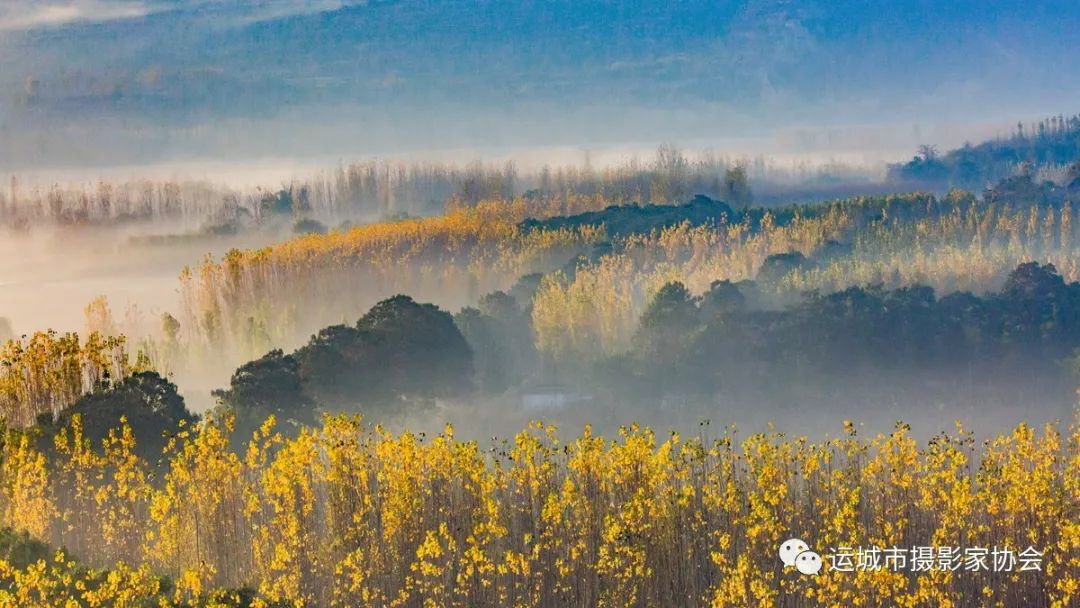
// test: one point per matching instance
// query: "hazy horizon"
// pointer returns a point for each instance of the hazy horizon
(97, 85)
(868, 149)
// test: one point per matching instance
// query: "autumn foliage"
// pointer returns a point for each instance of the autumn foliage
(249, 300)
(48, 372)
(349, 515)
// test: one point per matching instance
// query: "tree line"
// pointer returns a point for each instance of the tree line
(347, 514)
(372, 190)
(723, 341)
(1052, 143)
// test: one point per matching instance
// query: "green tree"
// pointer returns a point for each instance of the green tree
(664, 337)
(399, 353)
(421, 353)
(778, 265)
(737, 187)
(494, 362)
(268, 385)
(150, 403)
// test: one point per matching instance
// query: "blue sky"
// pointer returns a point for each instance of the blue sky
(101, 82)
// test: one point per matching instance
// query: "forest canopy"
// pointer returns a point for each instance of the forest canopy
(400, 353)
(608, 303)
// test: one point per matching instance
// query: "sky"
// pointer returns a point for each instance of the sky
(93, 84)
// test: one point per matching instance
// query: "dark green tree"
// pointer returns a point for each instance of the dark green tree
(778, 265)
(667, 329)
(421, 352)
(500, 335)
(488, 338)
(268, 385)
(149, 402)
(737, 187)
(723, 300)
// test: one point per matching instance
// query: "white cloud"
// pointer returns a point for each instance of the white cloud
(249, 11)
(267, 10)
(29, 14)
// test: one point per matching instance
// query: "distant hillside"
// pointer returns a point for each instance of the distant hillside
(327, 79)
(621, 221)
(1050, 145)
(624, 220)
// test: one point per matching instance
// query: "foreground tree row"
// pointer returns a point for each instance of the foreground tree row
(348, 515)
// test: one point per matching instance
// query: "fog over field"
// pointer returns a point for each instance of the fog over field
(589, 303)
(129, 240)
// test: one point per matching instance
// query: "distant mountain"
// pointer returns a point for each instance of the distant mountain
(126, 81)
